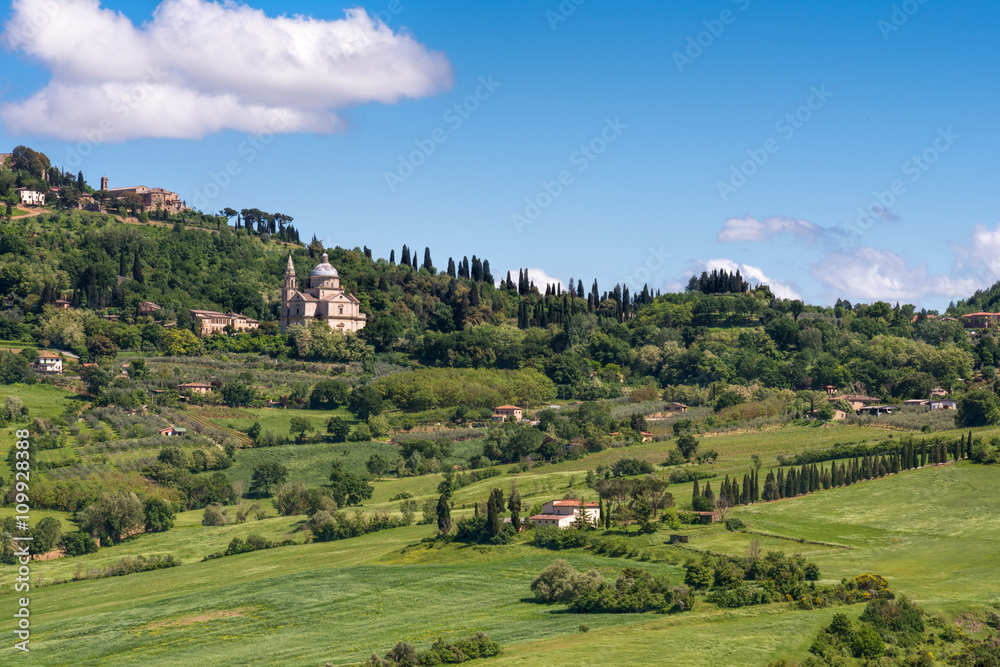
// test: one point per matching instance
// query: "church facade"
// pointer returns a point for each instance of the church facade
(322, 300)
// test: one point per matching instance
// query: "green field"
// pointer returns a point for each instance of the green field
(933, 532)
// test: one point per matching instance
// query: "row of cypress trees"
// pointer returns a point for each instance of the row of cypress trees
(810, 477)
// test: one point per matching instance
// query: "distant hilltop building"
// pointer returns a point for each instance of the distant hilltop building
(152, 198)
(212, 322)
(323, 301)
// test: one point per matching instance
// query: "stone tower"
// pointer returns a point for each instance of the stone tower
(289, 286)
(104, 183)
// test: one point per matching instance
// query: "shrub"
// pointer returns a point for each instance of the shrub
(78, 544)
(545, 537)
(214, 515)
(631, 467)
(702, 504)
(560, 582)
(734, 524)
(739, 596)
(159, 514)
(290, 499)
(867, 644)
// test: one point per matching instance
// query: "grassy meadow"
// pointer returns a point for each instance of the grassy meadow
(932, 532)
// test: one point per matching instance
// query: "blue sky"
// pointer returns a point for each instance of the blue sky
(684, 135)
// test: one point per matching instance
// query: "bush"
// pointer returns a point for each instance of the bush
(78, 544)
(702, 504)
(214, 515)
(159, 514)
(545, 537)
(734, 524)
(631, 467)
(635, 591)
(740, 596)
(560, 582)
(867, 644)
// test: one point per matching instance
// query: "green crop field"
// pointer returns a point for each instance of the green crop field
(933, 532)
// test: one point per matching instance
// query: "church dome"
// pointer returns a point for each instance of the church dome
(324, 268)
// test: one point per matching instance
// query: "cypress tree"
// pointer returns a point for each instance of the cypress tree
(494, 522)
(514, 505)
(137, 270)
(745, 496)
(779, 486)
(923, 454)
(696, 492)
(443, 515)
(709, 493)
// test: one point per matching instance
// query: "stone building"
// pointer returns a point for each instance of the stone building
(212, 321)
(322, 301)
(152, 198)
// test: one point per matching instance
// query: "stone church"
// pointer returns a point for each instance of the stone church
(323, 300)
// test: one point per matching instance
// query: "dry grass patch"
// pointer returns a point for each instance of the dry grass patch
(190, 619)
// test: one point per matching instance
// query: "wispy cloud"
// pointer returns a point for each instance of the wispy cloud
(872, 274)
(202, 67)
(752, 230)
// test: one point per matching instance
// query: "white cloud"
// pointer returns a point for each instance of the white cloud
(982, 256)
(752, 274)
(537, 276)
(541, 279)
(758, 231)
(199, 67)
(872, 274)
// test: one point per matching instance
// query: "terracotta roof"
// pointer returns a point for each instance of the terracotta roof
(507, 407)
(49, 355)
(571, 503)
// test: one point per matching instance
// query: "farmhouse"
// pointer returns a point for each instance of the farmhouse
(49, 363)
(30, 197)
(173, 430)
(194, 388)
(877, 410)
(212, 321)
(505, 413)
(857, 401)
(980, 320)
(562, 513)
(944, 404)
(323, 301)
(62, 304)
(148, 307)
